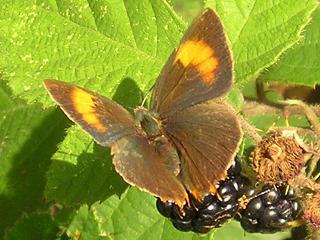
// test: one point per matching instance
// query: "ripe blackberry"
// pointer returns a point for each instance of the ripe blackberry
(164, 208)
(213, 210)
(235, 168)
(271, 210)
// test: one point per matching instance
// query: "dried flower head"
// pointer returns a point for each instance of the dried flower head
(278, 157)
(311, 213)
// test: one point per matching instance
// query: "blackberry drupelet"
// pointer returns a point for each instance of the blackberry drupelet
(271, 210)
(214, 210)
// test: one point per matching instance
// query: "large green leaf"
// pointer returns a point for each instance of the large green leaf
(96, 44)
(233, 230)
(301, 64)
(259, 31)
(6, 100)
(28, 138)
(33, 226)
(131, 217)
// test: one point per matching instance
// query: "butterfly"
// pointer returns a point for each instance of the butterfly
(188, 139)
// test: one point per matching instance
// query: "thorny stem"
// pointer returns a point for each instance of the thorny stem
(310, 114)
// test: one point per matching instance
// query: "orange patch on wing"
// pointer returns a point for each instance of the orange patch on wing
(197, 195)
(84, 104)
(213, 189)
(201, 56)
(179, 202)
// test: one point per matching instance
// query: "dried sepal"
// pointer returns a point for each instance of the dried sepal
(279, 157)
(311, 213)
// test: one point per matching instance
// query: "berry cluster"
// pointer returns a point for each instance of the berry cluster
(271, 210)
(214, 210)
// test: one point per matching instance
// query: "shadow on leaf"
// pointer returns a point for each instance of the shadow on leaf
(26, 179)
(128, 94)
(92, 179)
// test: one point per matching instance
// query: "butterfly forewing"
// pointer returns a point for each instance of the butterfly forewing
(207, 136)
(200, 69)
(105, 120)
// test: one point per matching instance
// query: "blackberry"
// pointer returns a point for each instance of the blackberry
(213, 215)
(227, 192)
(271, 197)
(182, 225)
(214, 209)
(165, 208)
(254, 208)
(235, 168)
(271, 210)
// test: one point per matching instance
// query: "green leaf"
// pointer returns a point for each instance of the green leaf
(28, 138)
(265, 122)
(34, 226)
(259, 31)
(132, 217)
(301, 64)
(233, 230)
(5, 97)
(235, 98)
(188, 9)
(96, 44)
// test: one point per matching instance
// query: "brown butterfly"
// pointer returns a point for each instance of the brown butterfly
(187, 141)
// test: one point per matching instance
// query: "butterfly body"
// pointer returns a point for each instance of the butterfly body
(148, 122)
(188, 139)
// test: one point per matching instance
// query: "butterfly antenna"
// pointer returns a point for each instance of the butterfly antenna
(146, 97)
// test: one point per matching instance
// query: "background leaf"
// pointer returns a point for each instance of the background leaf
(301, 64)
(232, 230)
(28, 138)
(259, 31)
(110, 220)
(35, 226)
(94, 44)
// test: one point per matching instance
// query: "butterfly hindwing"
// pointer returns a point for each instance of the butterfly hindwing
(152, 166)
(105, 120)
(207, 137)
(200, 69)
